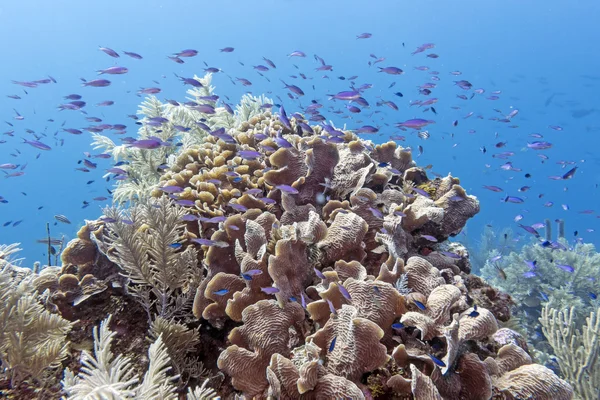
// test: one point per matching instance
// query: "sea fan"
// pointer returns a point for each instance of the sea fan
(32, 340)
(140, 241)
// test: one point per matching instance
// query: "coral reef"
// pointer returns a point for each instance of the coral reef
(283, 260)
(577, 350)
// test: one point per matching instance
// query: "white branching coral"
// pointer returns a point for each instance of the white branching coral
(140, 241)
(32, 340)
(577, 350)
(104, 376)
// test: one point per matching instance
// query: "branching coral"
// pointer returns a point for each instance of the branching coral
(560, 276)
(33, 341)
(577, 350)
(103, 375)
(141, 241)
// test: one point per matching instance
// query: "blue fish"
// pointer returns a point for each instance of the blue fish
(474, 313)
(420, 305)
(437, 361)
(332, 345)
(398, 325)
(221, 292)
(175, 245)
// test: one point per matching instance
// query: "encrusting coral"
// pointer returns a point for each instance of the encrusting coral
(311, 262)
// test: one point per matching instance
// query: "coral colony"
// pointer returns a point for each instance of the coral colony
(267, 258)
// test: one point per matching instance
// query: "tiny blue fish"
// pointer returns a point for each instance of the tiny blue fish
(474, 313)
(437, 361)
(420, 305)
(398, 325)
(593, 296)
(332, 345)
(221, 292)
(175, 245)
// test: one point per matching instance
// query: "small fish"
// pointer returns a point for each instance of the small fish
(319, 274)
(474, 313)
(249, 274)
(437, 361)
(513, 199)
(344, 292)
(398, 325)
(175, 245)
(332, 345)
(566, 268)
(62, 218)
(501, 272)
(287, 189)
(421, 306)
(429, 237)
(270, 290)
(221, 292)
(331, 307)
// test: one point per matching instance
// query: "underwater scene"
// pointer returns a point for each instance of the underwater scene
(299, 200)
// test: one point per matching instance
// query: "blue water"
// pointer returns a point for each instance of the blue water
(531, 51)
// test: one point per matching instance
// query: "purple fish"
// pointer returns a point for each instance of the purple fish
(451, 255)
(293, 88)
(97, 83)
(345, 96)
(538, 145)
(147, 144)
(566, 268)
(37, 144)
(421, 192)
(249, 154)
(133, 55)
(391, 70)
(270, 290)
(113, 71)
(208, 242)
(109, 51)
(226, 50)
(171, 189)
(529, 229)
(416, 123)
(429, 237)
(513, 199)
(187, 53)
(344, 292)
(287, 189)
(529, 274)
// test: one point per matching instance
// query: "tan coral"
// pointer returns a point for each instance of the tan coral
(422, 276)
(456, 213)
(357, 348)
(288, 382)
(428, 327)
(344, 238)
(264, 333)
(478, 327)
(440, 302)
(533, 381)
(422, 387)
(290, 269)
